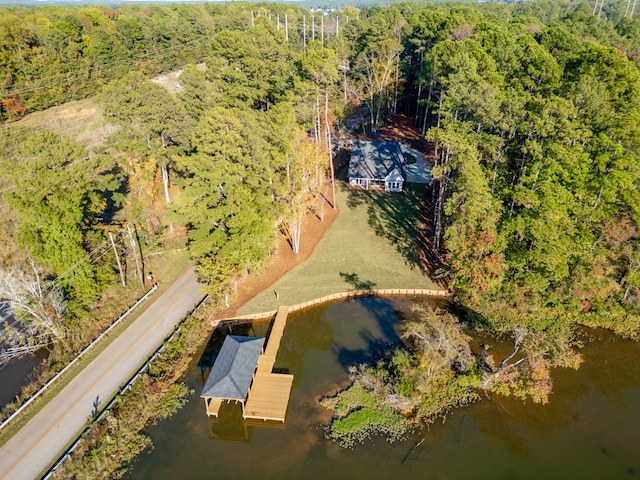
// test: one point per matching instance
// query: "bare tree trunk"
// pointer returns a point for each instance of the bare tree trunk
(41, 312)
(417, 119)
(439, 107)
(519, 335)
(345, 84)
(167, 197)
(330, 148)
(320, 210)
(395, 87)
(317, 119)
(294, 228)
(165, 181)
(426, 109)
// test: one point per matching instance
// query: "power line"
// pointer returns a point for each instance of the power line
(74, 270)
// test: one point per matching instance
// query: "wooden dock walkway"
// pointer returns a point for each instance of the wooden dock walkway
(268, 396)
(268, 358)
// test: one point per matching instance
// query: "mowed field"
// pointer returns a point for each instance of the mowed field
(372, 244)
(81, 121)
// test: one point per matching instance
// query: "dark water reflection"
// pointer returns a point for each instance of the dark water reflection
(15, 375)
(588, 430)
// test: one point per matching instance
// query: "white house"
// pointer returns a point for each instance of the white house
(377, 165)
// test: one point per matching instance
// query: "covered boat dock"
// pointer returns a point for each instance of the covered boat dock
(243, 372)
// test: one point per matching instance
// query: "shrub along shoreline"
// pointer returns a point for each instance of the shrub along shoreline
(117, 438)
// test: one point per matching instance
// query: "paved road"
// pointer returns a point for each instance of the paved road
(40, 442)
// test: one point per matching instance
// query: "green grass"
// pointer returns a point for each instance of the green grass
(370, 245)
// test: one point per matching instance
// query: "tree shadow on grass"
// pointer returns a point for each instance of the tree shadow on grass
(394, 217)
(354, 280)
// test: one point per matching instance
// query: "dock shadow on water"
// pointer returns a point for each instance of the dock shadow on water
(588, 430)
(229, 426)
(214, 344)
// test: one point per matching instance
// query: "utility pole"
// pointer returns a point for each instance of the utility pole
(115, 251)
(322, 30)
(344, 67)
(253, 23)
(304, 33)
(278, 21)
(134, 249)
(337, 27)
(286, 27)
(595, 7)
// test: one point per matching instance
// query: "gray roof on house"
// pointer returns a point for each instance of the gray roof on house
(231, 374)
(375, 160)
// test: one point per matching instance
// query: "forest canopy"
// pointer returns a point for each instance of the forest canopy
(530, 115)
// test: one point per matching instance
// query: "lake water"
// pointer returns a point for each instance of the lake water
(589, 429)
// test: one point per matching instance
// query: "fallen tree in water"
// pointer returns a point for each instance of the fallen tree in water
(435, 372)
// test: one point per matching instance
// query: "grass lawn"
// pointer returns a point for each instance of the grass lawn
(371, 244)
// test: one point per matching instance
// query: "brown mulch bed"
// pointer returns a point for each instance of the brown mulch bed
(283, 260)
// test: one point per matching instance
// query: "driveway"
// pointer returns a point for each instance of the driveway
(418, 172)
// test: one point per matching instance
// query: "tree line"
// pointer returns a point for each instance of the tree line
(239, 154)
(531, 113)
(531, 117)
